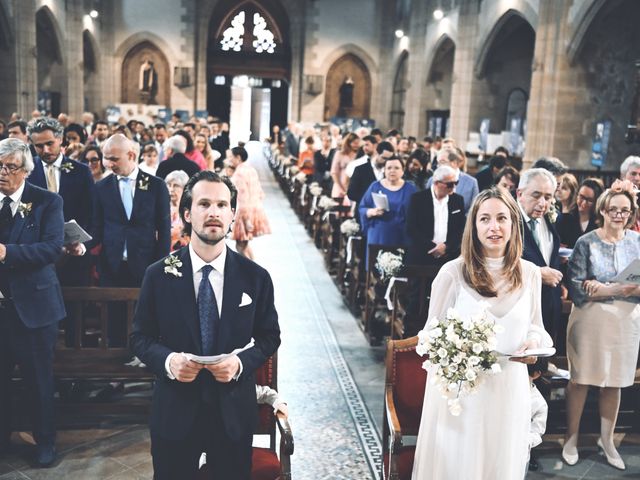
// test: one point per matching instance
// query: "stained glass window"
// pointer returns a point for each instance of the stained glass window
(232, 36)
(263, 37)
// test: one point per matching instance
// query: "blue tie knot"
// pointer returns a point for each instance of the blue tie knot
(206, 270)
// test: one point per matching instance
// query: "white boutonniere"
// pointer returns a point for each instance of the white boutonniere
(24, 209)
(66, 167)
(173, 263)
(552, 213)
(143, 183)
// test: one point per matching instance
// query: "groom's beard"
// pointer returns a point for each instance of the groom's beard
(212, 240)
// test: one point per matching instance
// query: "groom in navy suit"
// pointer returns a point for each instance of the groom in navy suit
(541, 241)
(31, 235)
(204, 299)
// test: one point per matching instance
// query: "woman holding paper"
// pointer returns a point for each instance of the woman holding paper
(383, 209)
(603, 333)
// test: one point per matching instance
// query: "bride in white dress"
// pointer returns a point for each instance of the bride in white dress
(489, 439)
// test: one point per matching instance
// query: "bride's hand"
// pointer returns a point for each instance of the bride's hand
(530, 343)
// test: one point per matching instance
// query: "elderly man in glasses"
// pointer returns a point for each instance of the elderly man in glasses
(467, 186)
(31, 305)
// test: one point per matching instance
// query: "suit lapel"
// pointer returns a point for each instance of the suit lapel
(20, 219)
(65, 176)
(140, 194)
(231, 296)
(531, 243)
(186, 298)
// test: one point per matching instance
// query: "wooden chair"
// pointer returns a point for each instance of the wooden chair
(411, 300)
(268, 463)
(404, 392)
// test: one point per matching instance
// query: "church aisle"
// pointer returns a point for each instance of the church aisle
(331, 378)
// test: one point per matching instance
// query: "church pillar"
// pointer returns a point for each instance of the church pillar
(416, 74)
(26, 76)
(73, 96)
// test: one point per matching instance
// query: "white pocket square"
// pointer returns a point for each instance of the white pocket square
(455, 211)
(246, 300)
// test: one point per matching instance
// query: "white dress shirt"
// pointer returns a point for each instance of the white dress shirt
(132, 181)
(15, 199)
(544, 235)
(56, 171)
(440, 218)
(378, 172)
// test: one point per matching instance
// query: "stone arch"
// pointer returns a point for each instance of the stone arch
(91, 77)
(51, 62)
(131, 75)
(435, 92)
(584, 17)
(399, 92)
(348, 66)
(489, 35)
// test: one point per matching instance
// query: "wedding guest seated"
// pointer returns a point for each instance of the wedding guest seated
(176, 181)
(305, 159)
(387, 227)
(603, 335)
(487, 175)
(418, 171)
(567, 193)
(149, 162)
(508, 178)
(467, 185)
(582, 217)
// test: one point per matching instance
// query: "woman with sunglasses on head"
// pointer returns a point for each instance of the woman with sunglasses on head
(603, 334)
(92, 157)
(581, 218)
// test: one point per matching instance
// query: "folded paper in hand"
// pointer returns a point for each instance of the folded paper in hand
(74, 233)
(532, 352)
(631, 274)
(381, 201)
(213, 359)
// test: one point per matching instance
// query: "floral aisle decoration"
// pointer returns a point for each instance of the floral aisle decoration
(462, 352)
(293, 170)
(389, 264)
(350, 227)
(315, 189)
(300, 177)
(326, 203)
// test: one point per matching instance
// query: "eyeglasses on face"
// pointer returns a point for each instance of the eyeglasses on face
(9, 169)
(582, 198)
(448, 184)
(614, 212)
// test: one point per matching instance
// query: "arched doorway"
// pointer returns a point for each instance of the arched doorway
(249, 66)
(504, 68)
(348, 89)
(8, 95)
(146, 77)
(90, 77)
(396, 118)
(437, 94)
(51, 74)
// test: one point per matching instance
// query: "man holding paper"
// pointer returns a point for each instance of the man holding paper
(204, 300)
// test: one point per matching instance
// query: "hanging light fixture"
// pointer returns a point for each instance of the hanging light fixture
(94, 14)
(399, 33)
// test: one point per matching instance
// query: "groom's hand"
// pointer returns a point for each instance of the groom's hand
(184, 369)
(225, 370)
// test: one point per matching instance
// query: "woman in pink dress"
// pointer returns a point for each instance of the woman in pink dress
(251, 220)
(341, 159)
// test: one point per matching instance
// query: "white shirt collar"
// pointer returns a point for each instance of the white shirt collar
(57, 163)
(526, 217)
(132, 176)
(218, 263)
(17, 195)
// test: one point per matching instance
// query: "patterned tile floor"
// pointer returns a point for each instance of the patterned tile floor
(332, 380)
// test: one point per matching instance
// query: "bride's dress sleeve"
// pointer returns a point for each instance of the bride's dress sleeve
(444, 290)
(536, 328)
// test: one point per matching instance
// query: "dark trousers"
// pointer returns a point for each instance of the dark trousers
(32, 350)
(123, 278)
(226, 459)
(73, 272)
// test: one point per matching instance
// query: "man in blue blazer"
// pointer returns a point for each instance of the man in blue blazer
(72, 181)
(131, 218)
(31, 236)
(204, 299)
(541, 240)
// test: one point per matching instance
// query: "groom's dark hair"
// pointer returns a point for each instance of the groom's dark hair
(187, 195)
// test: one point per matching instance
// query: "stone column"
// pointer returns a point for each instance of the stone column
(73, 94)
(553, 96)
(416, 70)
(464, 85)
(25, 54)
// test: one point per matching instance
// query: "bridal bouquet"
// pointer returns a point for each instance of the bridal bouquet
(463, 352)
(349, 227)
(389, 264)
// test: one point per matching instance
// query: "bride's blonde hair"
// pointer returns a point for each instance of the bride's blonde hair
(474, 268)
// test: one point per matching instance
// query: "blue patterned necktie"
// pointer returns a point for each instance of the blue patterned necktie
(127, 196)
(533, 224)
(207, 311)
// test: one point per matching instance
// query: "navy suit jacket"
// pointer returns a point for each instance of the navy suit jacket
(147, 233)
(420, 225)
(551, 301)
(34, 245)
(166, 320)
(76, 188)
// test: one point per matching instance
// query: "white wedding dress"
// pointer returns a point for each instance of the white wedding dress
(490, 438)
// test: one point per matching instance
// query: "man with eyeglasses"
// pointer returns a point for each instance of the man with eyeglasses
(435, 222)
(467, 186)
(31, 305)
(541, 241)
